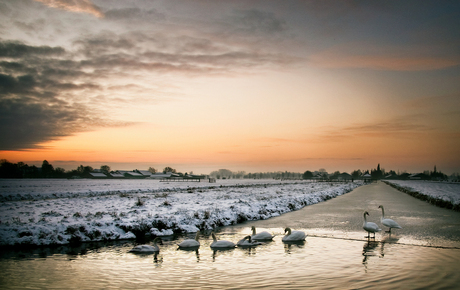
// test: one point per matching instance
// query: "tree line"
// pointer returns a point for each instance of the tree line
(380, 173)
(47, 170)
(228, 174)
(22, 170)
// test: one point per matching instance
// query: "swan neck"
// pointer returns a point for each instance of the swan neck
(214, 237)
(197, 236)
(253, 230)
(383, 213)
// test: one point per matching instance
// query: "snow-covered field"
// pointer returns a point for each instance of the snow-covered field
(440, 193)
(45, 212)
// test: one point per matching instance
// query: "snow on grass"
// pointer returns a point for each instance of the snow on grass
(442, 194)
(56, 212)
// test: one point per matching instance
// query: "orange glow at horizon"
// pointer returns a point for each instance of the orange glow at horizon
(233, 84)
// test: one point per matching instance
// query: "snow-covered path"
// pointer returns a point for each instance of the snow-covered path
(55, 212)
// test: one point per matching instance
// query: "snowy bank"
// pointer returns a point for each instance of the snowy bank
(442, 194)
(65, 215)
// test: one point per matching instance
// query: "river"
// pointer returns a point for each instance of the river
(422, 255)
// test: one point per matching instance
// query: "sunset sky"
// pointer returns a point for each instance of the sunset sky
(242, 85)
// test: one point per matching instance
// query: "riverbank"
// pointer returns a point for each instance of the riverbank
(445, 195)
(101, 211)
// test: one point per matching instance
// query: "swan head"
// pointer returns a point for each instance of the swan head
(381, 206)
(248, 238)
(366, 213)
(253, 229)
(287, 230)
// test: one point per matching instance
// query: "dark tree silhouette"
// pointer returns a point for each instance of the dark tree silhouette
(307, 175)
(47, 169)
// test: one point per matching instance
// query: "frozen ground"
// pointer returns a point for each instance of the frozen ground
(44, 212)
(440, 193)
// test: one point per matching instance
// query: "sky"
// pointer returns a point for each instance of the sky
(255, 86)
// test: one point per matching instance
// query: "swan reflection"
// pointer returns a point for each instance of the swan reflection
(371, 249)
(216, 250)
(158, 260)
(249, 251)
(289, 246)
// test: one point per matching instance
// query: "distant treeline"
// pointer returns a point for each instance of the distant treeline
(228, 174)
(374, 174)
(22, 170)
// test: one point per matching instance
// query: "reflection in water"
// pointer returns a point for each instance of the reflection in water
(327, 263)
(369, 251)
(215, 251)
(156, 260)
(371, 245)
(289, 246)
(192, 249)
(249, 251)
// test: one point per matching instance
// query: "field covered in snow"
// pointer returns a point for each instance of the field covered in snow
(442, 194)
(46, 212)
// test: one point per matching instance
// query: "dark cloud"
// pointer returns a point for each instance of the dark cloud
(26, 122)
(176, 54)
(17, 49)
(49, 92)
(33, 105)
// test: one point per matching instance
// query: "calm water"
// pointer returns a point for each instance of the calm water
(320, 262)
(425, 254)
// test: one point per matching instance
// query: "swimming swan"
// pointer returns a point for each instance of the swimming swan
(147, 248)
(263, 236)
(221, 244)
(248, 242)
(388, 222)
(190, 243)
(293, 236)
(370, 227)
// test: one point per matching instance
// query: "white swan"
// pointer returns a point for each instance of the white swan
(147, 248)
(370, 227)
(263, 236)
(248, 242)
(388, 222)
(293, 236)
(190, 243)
(221, 244)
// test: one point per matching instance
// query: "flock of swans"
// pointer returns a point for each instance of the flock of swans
(258, 238)
(249, 241)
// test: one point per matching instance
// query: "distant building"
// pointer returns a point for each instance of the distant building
(97, 175)
(145, 173)
(116, 175)
(391, 176)
(160, 175)
(345, 176)
(418, 176)
(130, 174)
(367, 177)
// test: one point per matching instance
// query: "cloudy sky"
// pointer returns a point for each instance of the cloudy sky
(244, 85)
